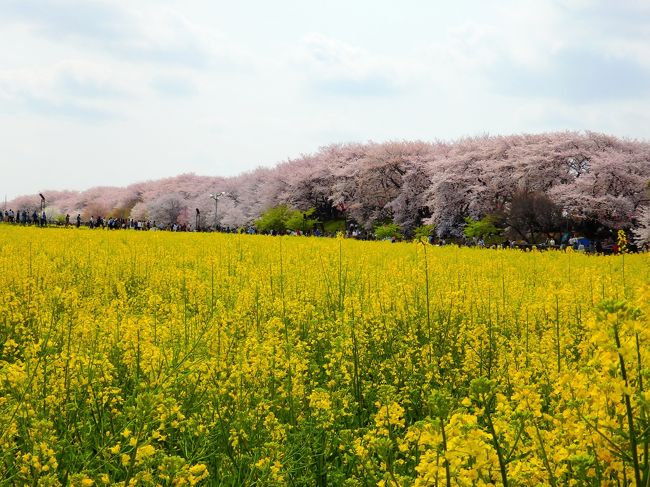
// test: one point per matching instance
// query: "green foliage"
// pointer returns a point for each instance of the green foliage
(388, 230)
(334, 226)
(480, 228)
(301, 220)
(282, 217)
(424, 231)
(274, 219)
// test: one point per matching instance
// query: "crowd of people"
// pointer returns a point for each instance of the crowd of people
(24, 218)
(110, 223)
(564, 241)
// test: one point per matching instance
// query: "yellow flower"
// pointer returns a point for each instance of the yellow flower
(208, 343)
(144, 452)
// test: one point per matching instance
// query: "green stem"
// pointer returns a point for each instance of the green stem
(628, 411)
(551, 477)
(444, 449)
(426, 288)
(557, 332)
(497, 447)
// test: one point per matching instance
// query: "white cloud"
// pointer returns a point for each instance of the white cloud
(333, 67)
(165, 36)
(174, 86)
(86, 79)
(328, 57)
(140, 33)
(464, 49)
(71, 88)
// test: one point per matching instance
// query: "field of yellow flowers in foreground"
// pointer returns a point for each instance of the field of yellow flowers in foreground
(144, 358)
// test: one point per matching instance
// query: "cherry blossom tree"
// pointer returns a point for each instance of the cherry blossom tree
(167, 209)
(587, 176)
(642, 232)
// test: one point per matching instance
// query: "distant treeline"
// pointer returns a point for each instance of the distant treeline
(529, 184)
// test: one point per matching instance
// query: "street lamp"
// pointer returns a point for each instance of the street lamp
(42, 201)
(216, 197)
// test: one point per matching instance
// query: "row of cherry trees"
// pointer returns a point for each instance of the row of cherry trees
(587, 176)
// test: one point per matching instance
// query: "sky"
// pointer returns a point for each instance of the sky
(112, 92)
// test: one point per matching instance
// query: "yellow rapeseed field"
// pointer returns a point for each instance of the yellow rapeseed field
(150, 358)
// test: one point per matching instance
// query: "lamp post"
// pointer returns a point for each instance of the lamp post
(42, 201)
(216, 197)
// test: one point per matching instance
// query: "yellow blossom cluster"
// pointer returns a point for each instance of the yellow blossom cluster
(151, 358)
